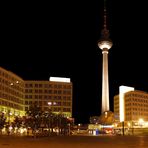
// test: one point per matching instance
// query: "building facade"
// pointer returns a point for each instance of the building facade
(135, 106)
(16, 95)
(53, 95)
(11, 94)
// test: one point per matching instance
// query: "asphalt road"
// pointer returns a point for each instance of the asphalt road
(75, 142)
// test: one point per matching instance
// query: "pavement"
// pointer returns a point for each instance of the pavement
(74, 142)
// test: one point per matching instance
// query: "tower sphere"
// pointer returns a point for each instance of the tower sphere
(105, 44)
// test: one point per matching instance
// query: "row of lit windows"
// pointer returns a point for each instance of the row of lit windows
(55, 109)
(137, 100)
(11, 92)
(135, 118)
(9, 89)
(59, 86)
(10, 83)
(137, 95)
(8, 104)
(12, 98)
(18, 85)
(137, 114)
(136, 104)
(48, 91)
(46, 103)
(128, 118)
(137, 109)
(47, 97)
(7, 76)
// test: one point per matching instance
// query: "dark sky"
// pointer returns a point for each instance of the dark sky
(43, 39)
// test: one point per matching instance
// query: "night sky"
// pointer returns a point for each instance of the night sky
(44, 39)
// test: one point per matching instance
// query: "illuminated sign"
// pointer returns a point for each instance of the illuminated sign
(59, 79)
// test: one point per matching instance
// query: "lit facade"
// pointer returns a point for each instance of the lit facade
(53, 95)
(11, 94)
(135, 106)
(122, 91)
(16, 95)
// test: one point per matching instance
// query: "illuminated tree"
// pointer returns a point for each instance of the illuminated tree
(34, 117)
(2, 121)
(94, 120)
(107, 118)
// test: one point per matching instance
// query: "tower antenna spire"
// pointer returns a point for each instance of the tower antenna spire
(105, 31)
(105, 25)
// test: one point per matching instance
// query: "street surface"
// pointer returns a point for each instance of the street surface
(75, 142)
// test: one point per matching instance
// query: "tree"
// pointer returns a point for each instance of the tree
(34, 117)
(94, 119)
(2, 121)
(107, 118)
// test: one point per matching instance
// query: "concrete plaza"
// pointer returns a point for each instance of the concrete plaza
(75, 142)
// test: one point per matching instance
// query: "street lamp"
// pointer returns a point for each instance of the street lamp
(69, 128)
(141, 122)
(79, 127)
(49, 104)
(9, 114)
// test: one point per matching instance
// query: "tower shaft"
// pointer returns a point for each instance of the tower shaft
(105, 82)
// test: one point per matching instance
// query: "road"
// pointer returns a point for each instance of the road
(75, 142)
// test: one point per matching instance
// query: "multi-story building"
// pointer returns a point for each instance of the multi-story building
(135, 106)
(11, 93)
(16, 94)
(55, 95)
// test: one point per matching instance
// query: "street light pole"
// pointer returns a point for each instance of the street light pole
(69, 128)
(50, 120)
(49, 104)
(123, 128)
(132, 128)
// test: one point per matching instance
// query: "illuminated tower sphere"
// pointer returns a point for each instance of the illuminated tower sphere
(105, 44)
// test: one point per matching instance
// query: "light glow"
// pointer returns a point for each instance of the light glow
(105, 45)
(141, 122)
(122, 91)
(49, 103)
(107, 126)
(59, 79)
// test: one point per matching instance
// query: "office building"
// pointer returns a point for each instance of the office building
(17, 94)
(131, 105)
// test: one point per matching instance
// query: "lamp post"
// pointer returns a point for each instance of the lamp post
(49, 104)
(8, 126)
(79, 127)
(132, 128)
(9, 114)
(50, 118)
(123, 128)
(69, 129)
(141, 122)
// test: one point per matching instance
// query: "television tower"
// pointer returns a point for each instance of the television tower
(105, 44)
